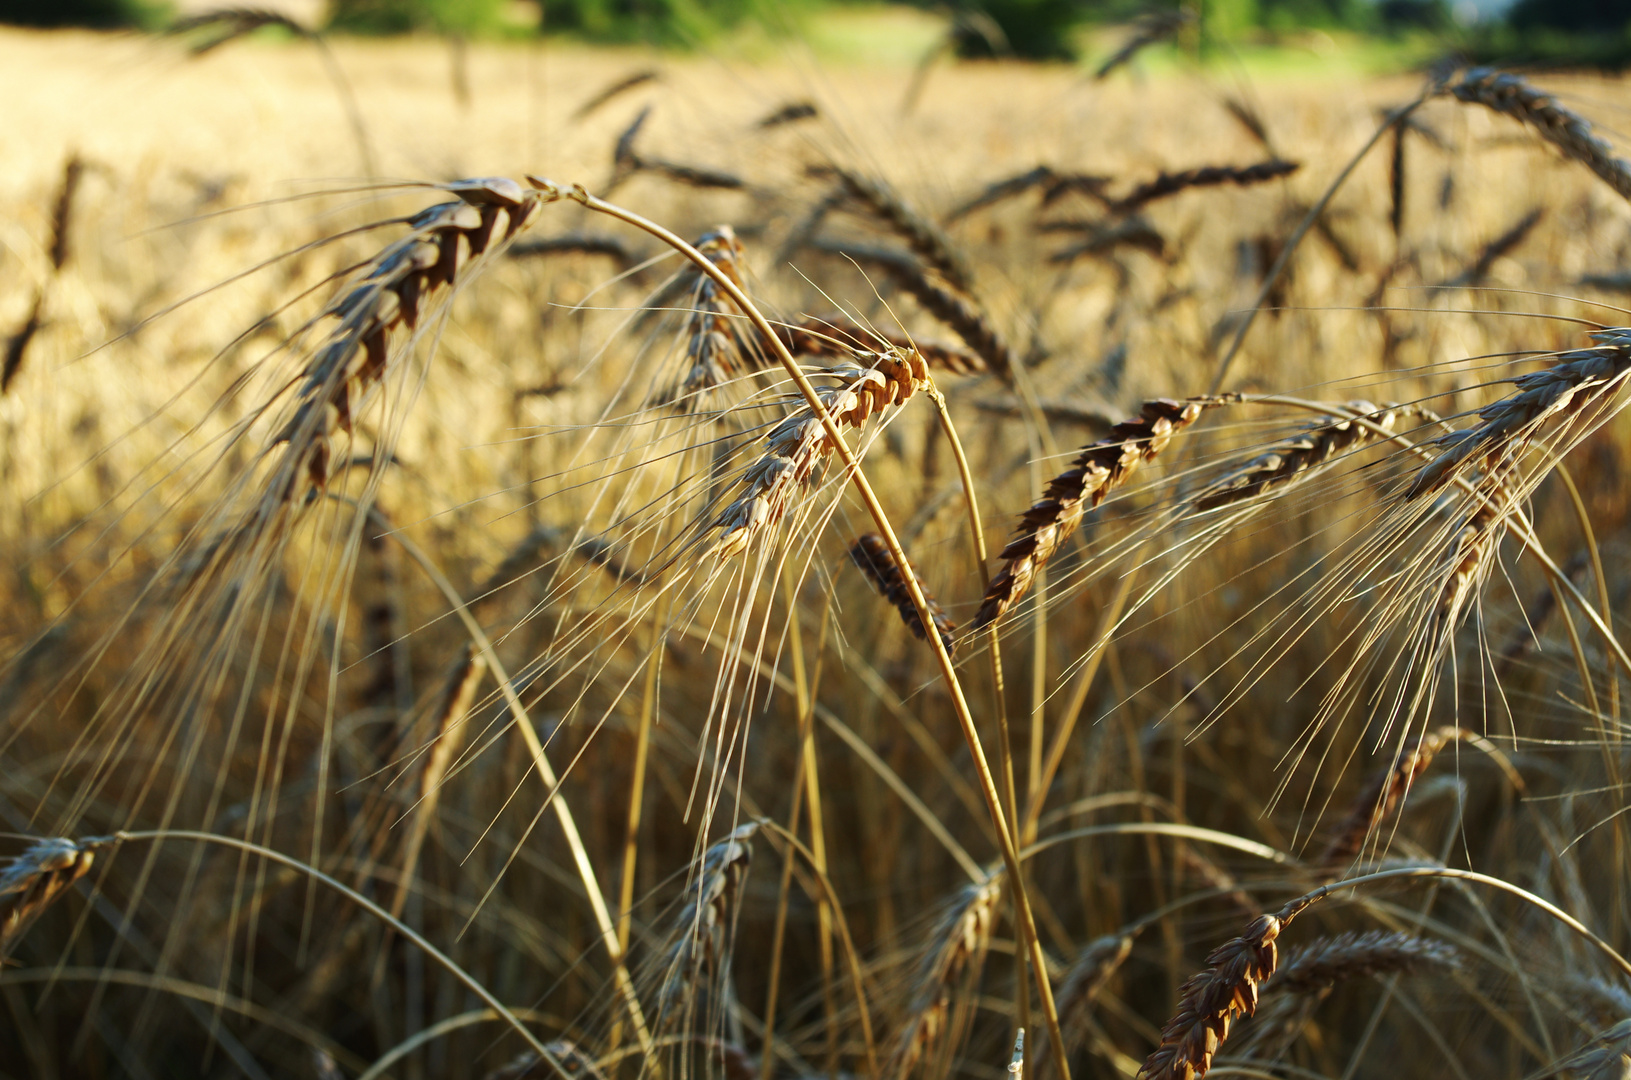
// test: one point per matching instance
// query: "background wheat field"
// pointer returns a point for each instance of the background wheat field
(442, 638)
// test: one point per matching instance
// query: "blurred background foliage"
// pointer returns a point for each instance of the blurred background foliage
(1547, 33)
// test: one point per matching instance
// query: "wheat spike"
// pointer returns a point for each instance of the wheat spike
(926, 239)
(1295, 459)
(1092, 970)
(797, 445)
(443, 245)
(1566, 130)
(1210, 1001)
(575, 1064)
(1168, 184)
(956, 954)
(1607, 1056)
(1381, 796)
(1099, 469)
(938, 297)
(705, 920)
(1508, 424)
(1344, 957)
(871, 554)
(712, 350)
(41, 873)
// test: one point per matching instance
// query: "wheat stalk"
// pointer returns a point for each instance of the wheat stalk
(1100, 468)
(872, 556)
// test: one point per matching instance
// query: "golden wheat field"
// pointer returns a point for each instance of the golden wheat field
(535, 561)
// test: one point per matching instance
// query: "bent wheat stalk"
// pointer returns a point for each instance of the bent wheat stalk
(553, 191)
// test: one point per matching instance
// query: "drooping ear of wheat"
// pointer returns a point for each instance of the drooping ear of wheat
(872, 556)
(1344, 957)
(444, 243)
(574, 1063)
(934, 1018)
(1168, 184)
(924, 237)
(41, 873)
(1211, 1000)
(939, 298)
(1381, 796)
(1574, 380)
(1607, 1056)
(704, 923)
(1092, 970)
(1295, 459)
(1566, 130)
(1099, 469)
(798, 445)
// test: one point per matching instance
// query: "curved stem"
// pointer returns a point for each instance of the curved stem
(367, 905)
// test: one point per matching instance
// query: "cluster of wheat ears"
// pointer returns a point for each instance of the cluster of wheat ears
(486, 663)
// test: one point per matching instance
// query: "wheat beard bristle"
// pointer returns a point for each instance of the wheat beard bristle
(1099, 469)
(443, 241)
(871, 554)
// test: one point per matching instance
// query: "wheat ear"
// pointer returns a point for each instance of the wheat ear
(1295, 459)
(1099, 469)
(1606, 1057)
(1381, 796)
(571, 1063)
(939, 298)
(797, 446)
(444, 245)
(926, 239)
(705, 921)
(712, 350)
(1210, 1001)
(1346, 957)
(1566, 130)
(44, 871)
(1168, 184)
(956, 953)
(1574, 379)
(872, 556)
(1092, 970)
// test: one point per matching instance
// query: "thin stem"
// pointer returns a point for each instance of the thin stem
(367, 905)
